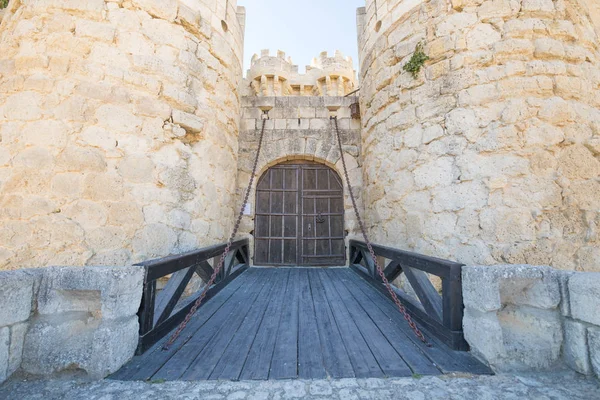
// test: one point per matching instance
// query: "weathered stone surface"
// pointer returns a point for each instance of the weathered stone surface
(95, 88)
(489, 288)
(17, 341)
(16, 294)
(576, 352)
(584, 293)
(517, 308)
(4, 353)
(481, 290)
(488, 347)
(106, 292)
(594, 347)
(500, 83)
(563, 281)
(503, 386)
(532, 337)
(528, 285)
(56, 343)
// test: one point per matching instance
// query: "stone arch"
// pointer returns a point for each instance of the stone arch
(300, 157)
(354, 170)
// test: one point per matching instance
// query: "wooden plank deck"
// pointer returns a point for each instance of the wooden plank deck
(291, 323)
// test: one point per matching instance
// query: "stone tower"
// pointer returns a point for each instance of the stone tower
(492, 154)
(119, 125)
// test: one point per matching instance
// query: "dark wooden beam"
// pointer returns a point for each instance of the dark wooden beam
(146, 311)
(430, 298)
(168, 297)
(204, 271)
(393, 271)
(165, 266)
(432, 265)
(453, 305)
(161, 330)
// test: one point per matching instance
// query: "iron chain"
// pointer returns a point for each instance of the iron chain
(219, 266)
(384, 279)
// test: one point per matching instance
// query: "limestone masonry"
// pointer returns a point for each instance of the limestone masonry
(492, 154)
(119, 124)
(128, 130)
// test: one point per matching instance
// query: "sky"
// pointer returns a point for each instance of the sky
(301, 28)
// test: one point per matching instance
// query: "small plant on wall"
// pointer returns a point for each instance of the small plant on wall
(417, 61)
(3, 3)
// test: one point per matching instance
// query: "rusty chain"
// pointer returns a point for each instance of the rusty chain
(386, 282)
(219, 266)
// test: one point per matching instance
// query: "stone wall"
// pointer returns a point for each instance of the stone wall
(299, 128)
(119, 126)
(492, 154)
(63, 319)
(533, 318)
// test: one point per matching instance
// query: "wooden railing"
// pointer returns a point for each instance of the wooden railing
(163, 310)
(440, 315)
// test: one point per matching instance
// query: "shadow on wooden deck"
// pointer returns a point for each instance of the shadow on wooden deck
(307, 323)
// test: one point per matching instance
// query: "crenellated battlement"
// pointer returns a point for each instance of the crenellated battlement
(276, 75)
(338, 61)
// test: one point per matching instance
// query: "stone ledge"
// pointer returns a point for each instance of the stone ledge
(63, 318)
(490, 288)
(520, 317)
(107, 292)
(98, 348)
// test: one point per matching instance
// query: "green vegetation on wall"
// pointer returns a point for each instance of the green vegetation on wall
(417, 61)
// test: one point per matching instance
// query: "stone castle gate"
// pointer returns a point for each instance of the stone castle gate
(128, 133)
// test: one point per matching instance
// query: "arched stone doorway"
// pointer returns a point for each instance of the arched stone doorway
(299, 216)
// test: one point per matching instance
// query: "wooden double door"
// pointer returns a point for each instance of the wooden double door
(299, 216)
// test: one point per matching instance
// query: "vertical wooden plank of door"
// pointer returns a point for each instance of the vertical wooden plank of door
(269, 257)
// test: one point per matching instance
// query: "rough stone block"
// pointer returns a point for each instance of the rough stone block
(481, 288)
(299, 101)
(488, 288)
(563, 281)
(4, 353)
(16, 294)
(17, 341)
(575, 349)
(79, 341)
(529, 285)
(264, 102)
(584, 293)
(594, 347)
(95, 30)
(107, 292)
(532, 338)
(189, 122)
(516, 307)
(164, 9)
(490, 346)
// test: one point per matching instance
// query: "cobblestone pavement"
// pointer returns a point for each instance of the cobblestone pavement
(539, 387)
